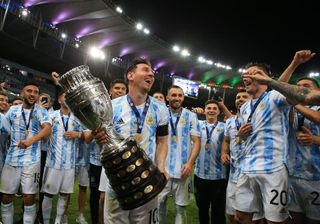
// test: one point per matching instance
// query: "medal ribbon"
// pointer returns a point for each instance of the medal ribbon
(65, 123)
(254, 107)
(140, 119)
(174, 126)
(29, 119)
(209, 133)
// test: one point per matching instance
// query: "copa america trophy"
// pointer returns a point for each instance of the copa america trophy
(132, 175)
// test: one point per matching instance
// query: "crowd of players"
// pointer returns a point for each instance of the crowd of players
(271, 147)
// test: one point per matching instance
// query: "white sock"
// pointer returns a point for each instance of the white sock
(7, 213)
(60, 208)
(181, 214)
(46, 209)
(29, 214)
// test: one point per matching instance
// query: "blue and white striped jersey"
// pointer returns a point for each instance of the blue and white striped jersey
(125, 122)
(208, 164)
(82, 158)
(4, 138)
(236, 151)
(265, 150)
(25, 157)
(94, 153)
(62, 152)
(179, 152)
(304, 161)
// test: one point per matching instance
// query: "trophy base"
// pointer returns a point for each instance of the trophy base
(132, 175)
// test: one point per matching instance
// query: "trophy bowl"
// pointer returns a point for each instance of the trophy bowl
(131, 173)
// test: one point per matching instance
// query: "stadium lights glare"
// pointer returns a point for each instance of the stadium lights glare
(314, 74)
(209, 62)
(176, 48)
(185, 53)
(24, 12)
(63, 36)
(119, 10)
(139, 26)
(146, 31)
(77, 45)
(201, 59)
(96, 53)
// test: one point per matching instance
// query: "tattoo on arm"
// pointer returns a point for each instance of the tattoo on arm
(292, 92)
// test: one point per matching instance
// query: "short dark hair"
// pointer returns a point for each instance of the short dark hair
(16, 98)
(31, 84)
(3, 93)
(158, 92)
(174, 87)
(117, 81)
(211, 101)
(310, 79)
(263, 66)
(135, 62)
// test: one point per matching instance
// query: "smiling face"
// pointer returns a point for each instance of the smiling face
(212, 111)
(30, 95)
(307, 83)
(241, 98)
(4, 105)
(117, 90)
(141, 77)
(175, 98)
(159, 96)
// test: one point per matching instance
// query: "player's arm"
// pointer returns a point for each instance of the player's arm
(187, 167)
(225, 150)
(308, 113)
(43, 134)
(225, 109)
(161, 153)
(299, 58)
(316, 140)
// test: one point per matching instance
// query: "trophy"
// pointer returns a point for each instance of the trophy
(132, 175)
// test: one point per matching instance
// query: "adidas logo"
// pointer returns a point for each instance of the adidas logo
(120, 121)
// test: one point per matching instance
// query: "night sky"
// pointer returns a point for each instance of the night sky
(235, 32)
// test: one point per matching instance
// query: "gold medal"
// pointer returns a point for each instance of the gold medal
(138, 137)
(207, 146)
(26, 132)
(174, 138)
(237, 139)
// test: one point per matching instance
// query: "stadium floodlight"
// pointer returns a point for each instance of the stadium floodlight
(119, 10)
(209, 62)
(146, 31)
(176, 48)
(139, 26)
(97, 53)
(201, 59)
(24, 12)
(63, 36)
(185, 52)
(228, 67)
(314, 74)
(77, 45)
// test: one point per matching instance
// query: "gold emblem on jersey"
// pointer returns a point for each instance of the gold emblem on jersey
(237, 139)
(182, 121)
(150, 121)
(262, 105)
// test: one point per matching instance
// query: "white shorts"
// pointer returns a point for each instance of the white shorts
(181, 190)
(57, 181)
(231, 200)
(267, 191)
(145, 214)
(103, 181)
(12, 177)
(305, 197)
(82, 173)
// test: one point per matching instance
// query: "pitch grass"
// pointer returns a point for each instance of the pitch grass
(192, 210)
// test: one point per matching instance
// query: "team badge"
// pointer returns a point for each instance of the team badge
(262, 105)
(150, 121)
(182, 121)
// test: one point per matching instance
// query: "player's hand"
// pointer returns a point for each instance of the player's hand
(257, 75)
(186, 170)
(165, 173)
(244, 131)
(198, 110)
(302, 56)
(225, 159)
(100, 137)
(71, 134)
(305, 137)
(55, 77)
(25, 143)
(45, 105)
